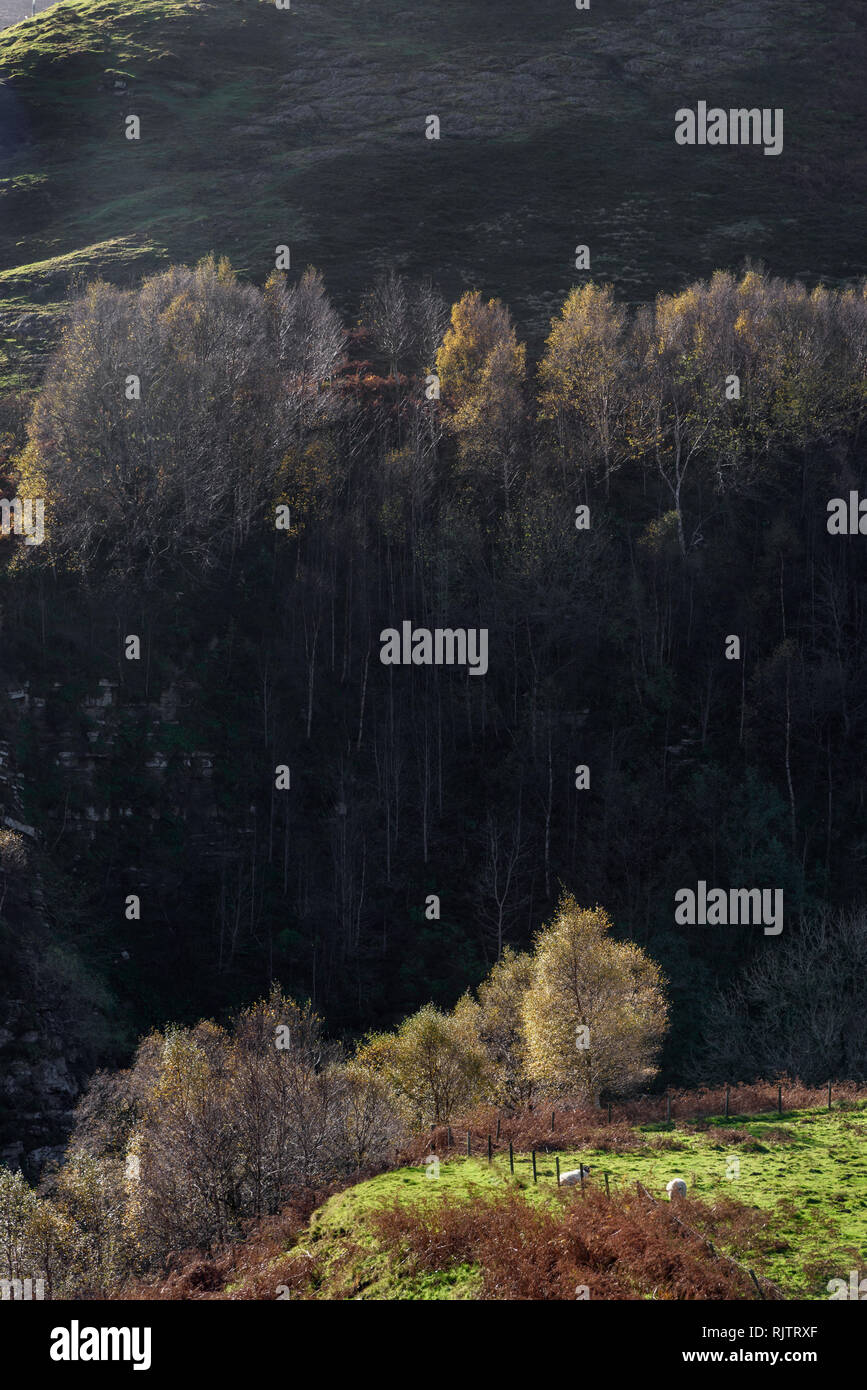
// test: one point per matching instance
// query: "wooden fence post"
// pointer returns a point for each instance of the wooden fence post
(607, 1190)
(449, 1139)
(535, 1179)
(552, 1121)
(489, 1148)
(581, 1171)
(498, 1127)
(557, 1161)
(511, 1158)
(468, 1143)
(779, 1100)
(609, 1112)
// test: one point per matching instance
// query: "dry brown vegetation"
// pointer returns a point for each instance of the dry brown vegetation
(620, 1248)
(260, 1262)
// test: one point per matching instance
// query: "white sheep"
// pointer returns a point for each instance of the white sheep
(574, 1176)
(676, 1188)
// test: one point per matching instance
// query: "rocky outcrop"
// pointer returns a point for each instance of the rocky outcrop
(38, 1088)
(53, 1011)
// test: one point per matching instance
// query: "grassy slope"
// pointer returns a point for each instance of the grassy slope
(810, 1167)
(306, 126)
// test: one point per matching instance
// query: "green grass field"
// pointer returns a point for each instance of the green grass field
(807, 1168)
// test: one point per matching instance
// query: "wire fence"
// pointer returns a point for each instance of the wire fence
(547, 1125)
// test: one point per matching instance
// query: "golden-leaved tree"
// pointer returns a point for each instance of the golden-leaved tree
(482, 371)
(434, 1063)
(587, 382)
(500, 1026)
(595, 1012)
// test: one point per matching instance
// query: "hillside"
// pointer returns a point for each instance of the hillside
(306, 127)
(785, 1196)
(172, 652)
